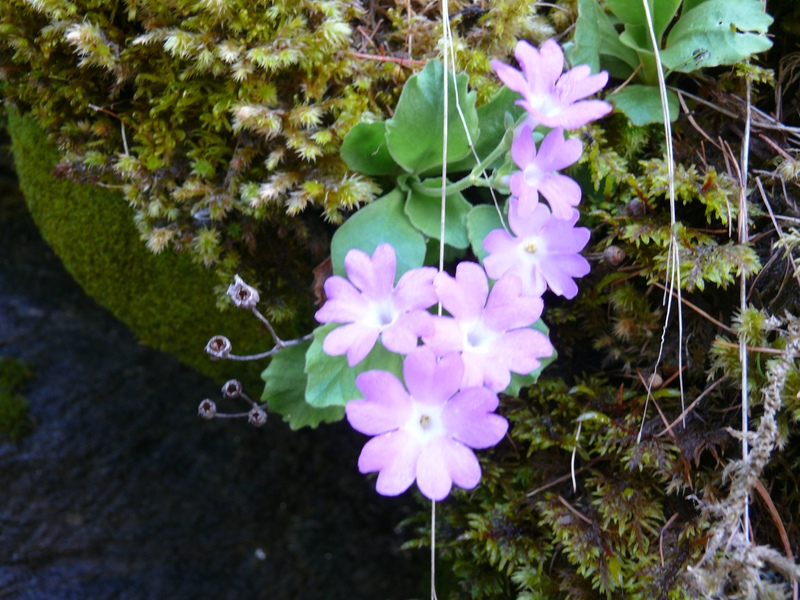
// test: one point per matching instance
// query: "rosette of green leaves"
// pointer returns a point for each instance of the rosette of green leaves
(406, 154)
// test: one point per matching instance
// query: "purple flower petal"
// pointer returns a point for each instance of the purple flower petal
(511, 77)
(470, 418)
(560, 275)
(402, 335)
(447, 336)
(355, 340)
(345, 304)
(578, 83)
(428, 429)
(551, 98)
(526, 226)
(499, 240)
(507, 309)
(557, 153)
(373, 276)
(443, 462)
(372, 306)
(395, 456)
(552, 64)
(489, 370)
(463, 296)
(521, 350)
(523, 148)
(562, 194)
(578, 114)
(539, 172)
(545, 251)
(386, 406)
(415, 289)
(429, 381)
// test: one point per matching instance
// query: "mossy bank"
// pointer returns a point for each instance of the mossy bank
(166, 299)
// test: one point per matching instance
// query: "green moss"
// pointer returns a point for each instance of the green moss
(166, 299)
(15, 423)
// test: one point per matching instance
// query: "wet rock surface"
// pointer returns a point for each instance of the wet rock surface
(122, 492)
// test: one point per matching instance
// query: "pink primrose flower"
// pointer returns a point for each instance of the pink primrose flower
(551, 98)
(371, 306)
(544, 251)
(494, 334)
(539, 176)
(425, 433)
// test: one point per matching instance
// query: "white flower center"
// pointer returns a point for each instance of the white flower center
(548, 104)
(382, 314)
(477, 337)
(425, 422)
(532, 249)
(533, 174)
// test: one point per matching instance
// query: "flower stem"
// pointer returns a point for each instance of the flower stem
(475, 177)
(275, 350)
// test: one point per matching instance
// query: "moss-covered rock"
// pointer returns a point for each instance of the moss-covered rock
(166, 299)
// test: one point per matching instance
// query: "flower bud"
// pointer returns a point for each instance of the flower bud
(207, 409)
(219, 347)
(257, 417)
(655, 381)
(614, 255)
(232, 389)
(243, 295)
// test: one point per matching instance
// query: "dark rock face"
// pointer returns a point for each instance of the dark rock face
(123, 492)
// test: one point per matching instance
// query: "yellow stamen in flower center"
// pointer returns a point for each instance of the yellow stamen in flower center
(530, 248)
(424, 421)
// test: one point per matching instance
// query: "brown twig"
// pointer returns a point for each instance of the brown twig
(692, 120)
(749, 348)
(408, 63)
(628, 80)
(690, 407)
(658, 408)
(564, 478)
(661, 537)
(575, 511)
(700, 311)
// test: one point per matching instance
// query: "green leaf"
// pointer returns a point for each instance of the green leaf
(425, 214)
(451, 254)
(717, 32)
(520, 381)
(331, 381)
(480, 221)
(414, 134)
(642, 104)
(383, 221)
(632, 12)
(492, 126)
(597, 43)
(364, 149)
(285, 390)
(690, 4)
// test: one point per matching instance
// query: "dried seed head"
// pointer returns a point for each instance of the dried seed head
(219, 347)
(635, 208)
(257, 417)
(232, 388)
(207, 409)
(614, 255)
(243, 295)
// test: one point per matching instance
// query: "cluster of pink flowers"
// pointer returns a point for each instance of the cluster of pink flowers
(542, 248)
(426, 427)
